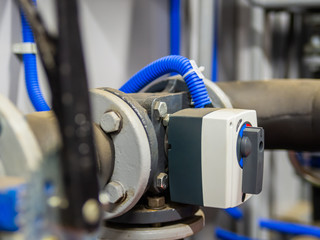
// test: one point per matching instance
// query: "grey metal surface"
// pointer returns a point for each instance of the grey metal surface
(171, 212)
(177, 84)
(45, 127)
(19, 149)
(174, 102)
(110, 122)
(177, 230)
(133, 154)
(276, 4)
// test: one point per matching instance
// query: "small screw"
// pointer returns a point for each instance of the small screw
(162, 181)
(160, 110)
(115, 192)
(110, 122)
(165, 120)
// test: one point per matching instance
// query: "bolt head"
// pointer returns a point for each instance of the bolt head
(115, 192)
(110, 122)
(156, 202)
(160, 110)
(162, 181)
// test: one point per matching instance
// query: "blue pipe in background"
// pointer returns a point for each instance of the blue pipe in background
(226, 235)
(175, 28)
(168, 64)
(289, 228)
(30, 69)
(236, 213)
(215, 43)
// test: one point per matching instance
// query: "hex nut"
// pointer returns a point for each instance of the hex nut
(110, 122)
(160, 110)
(162, 181)
(156, 202)
(115, 191)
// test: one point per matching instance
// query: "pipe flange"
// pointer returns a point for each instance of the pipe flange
(20, 152)
(132, 149)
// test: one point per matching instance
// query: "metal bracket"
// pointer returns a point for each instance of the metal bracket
(24, 48)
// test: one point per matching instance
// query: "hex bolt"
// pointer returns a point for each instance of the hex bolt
(115, 191)
(162, 181)
(160, 110)
(110, 122)
(165, 120)
(156, 202)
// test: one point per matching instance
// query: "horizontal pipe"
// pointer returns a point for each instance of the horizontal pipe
(45, 128)
(288, 110)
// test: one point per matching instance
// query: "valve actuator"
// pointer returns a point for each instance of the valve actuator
(215, 156)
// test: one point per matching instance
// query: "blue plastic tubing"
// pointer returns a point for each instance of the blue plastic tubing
(226, 235)
(236, 213)
(30, 69)
(169, 64)
(175, 27)
(290, 228)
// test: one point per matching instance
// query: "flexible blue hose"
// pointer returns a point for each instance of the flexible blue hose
(175, 27)
(226, 235)
(30, 69)
(290, 228)
(236, 213)
(168, 64)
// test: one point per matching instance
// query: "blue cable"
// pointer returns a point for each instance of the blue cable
(226, 235)
(30, 69)
(236, 213)
(168, 64)
(175, 27)
(289, 228)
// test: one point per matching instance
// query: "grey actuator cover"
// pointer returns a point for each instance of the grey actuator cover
(184, 155)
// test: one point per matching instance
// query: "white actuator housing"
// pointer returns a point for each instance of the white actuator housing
(208, 153)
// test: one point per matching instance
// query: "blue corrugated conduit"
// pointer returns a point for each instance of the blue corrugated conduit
(169, 64)
(30, 69)
(226, 235)
(236, 213)
(290, 228)
(175, 27)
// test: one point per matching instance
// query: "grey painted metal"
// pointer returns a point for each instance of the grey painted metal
(160, 110)
(145, 215)
(174, 102)
(110, 122)
(132, 149)
(45, 127)
(115, 191)
(275, 4)
(19, 149)
(177, 84)
(177, 230)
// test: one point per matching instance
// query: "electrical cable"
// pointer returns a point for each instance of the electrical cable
(289, 228)
(226, 235)
(30, 69)
(168, 64)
